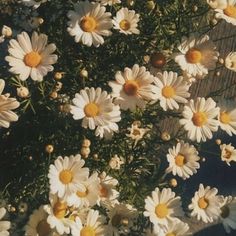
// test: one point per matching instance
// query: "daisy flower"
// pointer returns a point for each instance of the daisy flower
(171, 89)
(162, 207)
(97, 109)
(157, 231)
(57, 211)
(227, 12)
(228, 153)
(121, 218)
(92, 225)
(230, 61)
(66, 176)
(183, 160)
(133, 88)
(89, 22)
(227, 117)
(4, 225)
(206, 204)
(136, 133)
(7, 104)
(37, 224)
(220, 4)
(197, 55)
(116, 162)
(31, 57)
(109, 2)
(88, 196)
(177, 228)
(199, 118)
(228, 213)
(126, 21)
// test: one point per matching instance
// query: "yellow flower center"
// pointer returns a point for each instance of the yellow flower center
(43, 228)
(87, 231)
(168, 91)
(225, 118)
(193, 56)
(131, 87)
(103, 191)
(227, 154)
(59, 209)
(203, 203)
(88, 24)
(225, 212)
(179, 160)
(161, 210)
(230, 11)
(66, 176)
(91, 109)
(199, 119)
(82, 194)
(32, 59)
(171, 234)
(158, 60)
(116, 220)
(125, 25)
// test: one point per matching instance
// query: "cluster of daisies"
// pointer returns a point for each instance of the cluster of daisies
(75, 194)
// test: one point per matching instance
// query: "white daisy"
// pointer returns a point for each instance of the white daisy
(107, 192)
(157, 231)
(126, 21)
(163, 207)
(136, 133)
(66, 176)
(228, 153)
(57, 212)
(220, 4)
(4, 225)
(171, 89)
(183, 160)
(227, 12)
(32, 3)
(37, 224)
(227, 117)
(206, 204)
(97, 109)
(121, 218)
(133, 88)
(109, 2)
(230, 61)
(89, 22)
(89, 195)
(199, 118)
(7, 104)
(197, 55)
(177, 228)
(32, 58)
(228, 213)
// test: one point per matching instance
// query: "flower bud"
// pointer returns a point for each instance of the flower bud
(49, 148)
(84, 73)
(6, 31)
(85, 151)
(173, 183)
(22, 92)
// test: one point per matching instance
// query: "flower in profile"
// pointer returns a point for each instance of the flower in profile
(183, 160)
(197, 55)
(228, 213)
(171, 89)
(126, 21)
(7, 104)
(163, 207)
(97, 110)
(228, 153)
(37, 224)
(92, 225)
(227, 117)
(136, 133)
(66, 176)
(133, 88)
(121, 218)
(227, 12)
(206, 204)
(89, 22)
(31, 57)
(177, 228)
(199, 118)
(109, 2)
(4, 225)
(230, 61)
